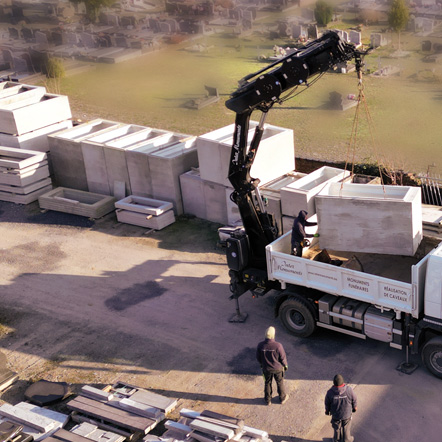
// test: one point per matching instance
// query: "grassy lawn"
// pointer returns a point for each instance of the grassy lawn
(150, 91)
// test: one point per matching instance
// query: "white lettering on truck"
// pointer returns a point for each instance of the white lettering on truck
(393, 293)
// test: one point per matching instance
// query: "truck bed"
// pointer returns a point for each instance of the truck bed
(383, 280)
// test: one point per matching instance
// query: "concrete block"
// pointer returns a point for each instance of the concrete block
(274, 207)
(274, 187)
(137, 148)
(166, 165)
(233, 215)
(192, 191)
(67, 155)
(148, 206)
(275, 157)
(12, 158)
(95, 167)
(300, 195)
(23, 96)
(142, 220)
(25, 176)
(24, 199)
(29, 188)
(49, 109)
(8, 88)
(215, 202)
(36, 139)
(370, 218)
(77, 202)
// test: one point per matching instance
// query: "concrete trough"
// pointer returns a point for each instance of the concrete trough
(11, 88)
(300, 195)
(370, 218)
(67, 156)
(13, 158)
(166, 164)
(28, 198)
(77, 202)
(145, 212)
(22, 117)
(275, 156)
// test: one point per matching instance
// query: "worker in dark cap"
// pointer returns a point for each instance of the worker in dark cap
(340, 402)
(298, 232)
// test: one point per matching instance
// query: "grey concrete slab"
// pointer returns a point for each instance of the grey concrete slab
(370, 218)
(275, 156)
(166, 165)
(149, 206)
(95, 168)
(49, 109)
(36, 139)
(192, 191)
(116, 168)
(151, 222)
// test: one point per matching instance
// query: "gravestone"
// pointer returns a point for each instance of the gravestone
(355, 38)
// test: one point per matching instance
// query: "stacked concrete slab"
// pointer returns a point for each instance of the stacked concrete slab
(28, 114)
(77, 202)
(300, 195)
(24, 175)
(145, 212)
(370, 218)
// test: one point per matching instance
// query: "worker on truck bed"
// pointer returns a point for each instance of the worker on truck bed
(298, 232)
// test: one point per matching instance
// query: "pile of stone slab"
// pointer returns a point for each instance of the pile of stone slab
(37, 422)
(24, 175)
(28, 114)
(370, 218)
(432, 219)
(85, 432)
(77, 202)
(122, 408)
(145, 212)
(118, 159)
(209, 426)
(206, 192)
(10, 432)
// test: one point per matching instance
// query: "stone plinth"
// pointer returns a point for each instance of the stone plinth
(370, 218)
(300, 195)
(275, 156)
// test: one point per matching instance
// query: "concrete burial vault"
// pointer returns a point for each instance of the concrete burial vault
(370, 218)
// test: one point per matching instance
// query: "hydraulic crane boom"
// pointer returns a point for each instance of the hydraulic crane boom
(260, 91)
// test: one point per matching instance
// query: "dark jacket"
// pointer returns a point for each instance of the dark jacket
(271, 356)
(298, 229)
(340, 402)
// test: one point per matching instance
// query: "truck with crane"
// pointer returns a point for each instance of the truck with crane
(328, 293)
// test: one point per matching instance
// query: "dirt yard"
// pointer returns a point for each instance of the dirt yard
(89, 302)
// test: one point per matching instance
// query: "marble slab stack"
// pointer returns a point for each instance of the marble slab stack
(24, 175)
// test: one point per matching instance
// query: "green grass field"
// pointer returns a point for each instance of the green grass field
(150, 91)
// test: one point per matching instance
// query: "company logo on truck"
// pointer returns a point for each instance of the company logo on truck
(288, 267)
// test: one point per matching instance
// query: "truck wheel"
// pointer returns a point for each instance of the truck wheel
(297, 317)
(432, 356)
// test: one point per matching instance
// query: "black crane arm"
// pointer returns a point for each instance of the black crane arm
(260, 91)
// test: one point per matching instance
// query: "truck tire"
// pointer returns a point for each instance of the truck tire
(432, 356)
(298, 317)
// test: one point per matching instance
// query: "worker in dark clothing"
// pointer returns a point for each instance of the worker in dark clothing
(298, 232)
(273, 360)
(340, 402)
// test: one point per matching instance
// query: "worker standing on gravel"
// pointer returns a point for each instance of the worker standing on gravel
(273, 360)
(340, 402)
